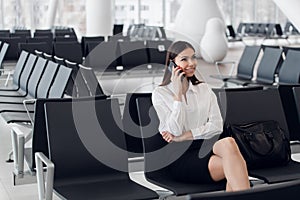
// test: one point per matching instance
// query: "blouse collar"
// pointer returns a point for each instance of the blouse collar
(191, 88)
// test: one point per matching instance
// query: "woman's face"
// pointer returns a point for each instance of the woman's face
(187, 61)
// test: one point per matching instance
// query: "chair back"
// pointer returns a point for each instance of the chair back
(80, 88)
(91, 80)
(247, 62)
(296, 91)
(156, 150)
(35, 77)
(131, 124)
(21, 63)
(47, 79)
(264, 105)
(133, 54)
(103, 57)
(60, 81)
(118, 29)
(68, 50)
(28, 69)
(270, 62)
(39, 131)
(85, 40)
(290, 104)
(4, 48)
(157, 51)
(231, 31)
(31, 47)
(92, 130)
(289, 72)
(12, 52)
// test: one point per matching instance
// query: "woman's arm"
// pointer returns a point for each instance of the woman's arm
(171, 116)
(214, 124)
(167, 136)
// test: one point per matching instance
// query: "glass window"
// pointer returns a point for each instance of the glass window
(75, 17)
(237, 11)
(27, 14)
(226, 8)
(129, 14)
(10, 14)
(265, 15)
(171, 9)
(152, 12)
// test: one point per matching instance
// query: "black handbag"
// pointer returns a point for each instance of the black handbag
(263, 143)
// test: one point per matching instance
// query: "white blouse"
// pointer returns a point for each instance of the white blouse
(200, 114)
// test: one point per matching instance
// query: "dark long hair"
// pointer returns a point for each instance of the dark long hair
(173, 51)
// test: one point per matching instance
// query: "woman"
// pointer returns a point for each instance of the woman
(188, 110)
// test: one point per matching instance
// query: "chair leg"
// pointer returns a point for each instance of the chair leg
(10, 160)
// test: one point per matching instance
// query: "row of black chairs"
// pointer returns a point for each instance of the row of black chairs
(266, 30)
(55, 32)
(37, 79)
(34, 77)
(277, 62)
(83, 81)
(260, 30)
(143, 32)
(128, 54)
(18, 44)
(100, 55)
(32, 74)
(43, 43)
(93, 128)
(26, 33)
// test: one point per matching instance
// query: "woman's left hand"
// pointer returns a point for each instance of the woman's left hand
(167, 136)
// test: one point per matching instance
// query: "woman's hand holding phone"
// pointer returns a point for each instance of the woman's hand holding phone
(176, 78)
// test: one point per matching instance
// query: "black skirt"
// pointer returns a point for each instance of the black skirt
(192, 167)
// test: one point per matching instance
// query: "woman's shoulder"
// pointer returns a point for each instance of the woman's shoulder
(203, 86)
(161, 91)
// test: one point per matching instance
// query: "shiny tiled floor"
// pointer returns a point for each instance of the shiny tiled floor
(114, 84)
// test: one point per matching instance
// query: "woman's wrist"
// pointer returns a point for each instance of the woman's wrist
(177, 98)
(185, 136)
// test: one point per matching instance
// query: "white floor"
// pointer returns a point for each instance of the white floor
(112, 84)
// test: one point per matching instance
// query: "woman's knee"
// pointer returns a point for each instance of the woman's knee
(226, 146)
(215, 167)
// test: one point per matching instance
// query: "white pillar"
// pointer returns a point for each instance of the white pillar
(31, 11)
(291, 10)
(99, 17)
(191, 20)
(2, 14)
(51, 13)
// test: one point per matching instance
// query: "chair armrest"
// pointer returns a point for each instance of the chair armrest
(45, 186)
(26, 102)
(5, 69)
(7, 79)
(10, 72)
(225, 62)
(18, 145)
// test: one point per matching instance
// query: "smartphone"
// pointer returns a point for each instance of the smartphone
(173, 65)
